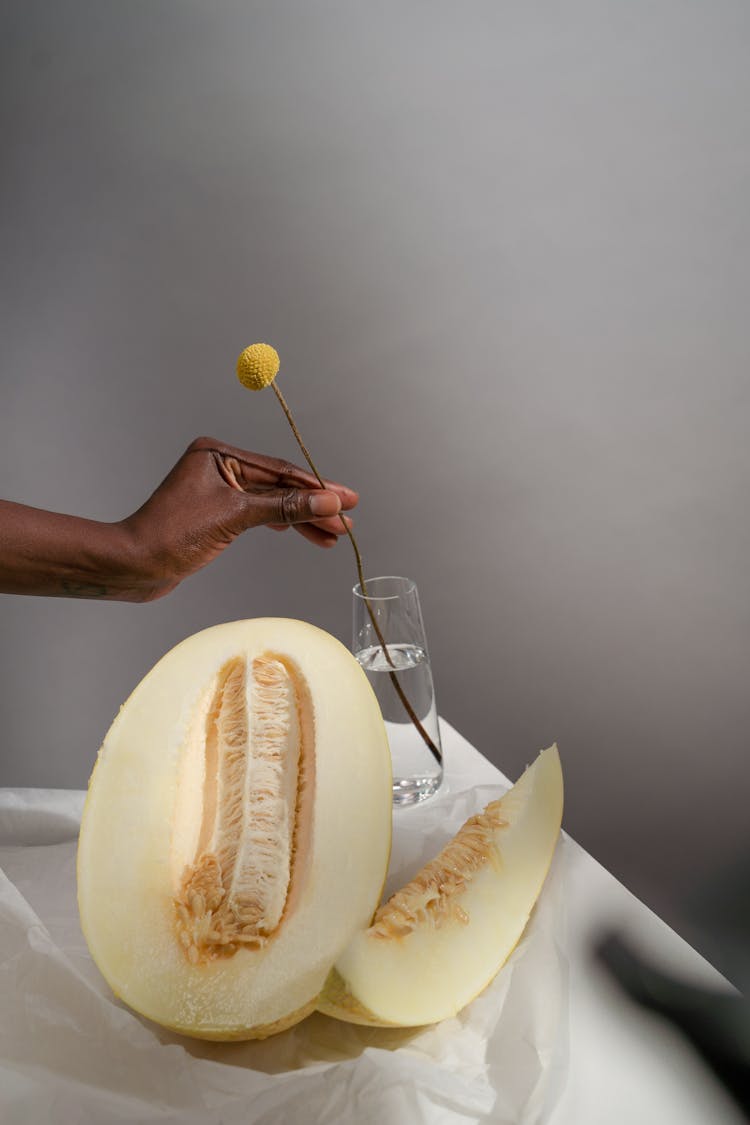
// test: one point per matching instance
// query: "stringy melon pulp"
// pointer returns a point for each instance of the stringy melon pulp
(436, 943)
(237, 829)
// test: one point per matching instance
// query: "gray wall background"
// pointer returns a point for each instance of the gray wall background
(504, 251)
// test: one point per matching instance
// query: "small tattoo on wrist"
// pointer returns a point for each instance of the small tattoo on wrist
(84, 589)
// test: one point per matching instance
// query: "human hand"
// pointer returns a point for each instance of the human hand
(213, 494)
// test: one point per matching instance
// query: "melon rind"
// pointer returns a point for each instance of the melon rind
(125, 875)
(432, 972)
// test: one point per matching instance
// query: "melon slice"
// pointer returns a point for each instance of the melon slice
(237, 829)
(435, 944)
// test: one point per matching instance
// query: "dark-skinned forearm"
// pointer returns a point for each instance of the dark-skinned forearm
(56, 555)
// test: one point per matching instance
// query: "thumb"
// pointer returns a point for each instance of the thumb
(293, 505)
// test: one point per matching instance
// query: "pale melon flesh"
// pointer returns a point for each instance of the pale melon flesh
(237, 829)
(440, 940)
(236, 837)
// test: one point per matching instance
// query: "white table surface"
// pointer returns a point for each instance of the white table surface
(623, 1067)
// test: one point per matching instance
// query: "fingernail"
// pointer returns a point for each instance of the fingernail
(321, 505)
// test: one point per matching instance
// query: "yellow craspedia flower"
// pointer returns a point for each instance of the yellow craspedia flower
(258, 366)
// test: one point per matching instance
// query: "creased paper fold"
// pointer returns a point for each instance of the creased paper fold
(70, 1052)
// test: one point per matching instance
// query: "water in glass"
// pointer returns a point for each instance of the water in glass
(417, 769)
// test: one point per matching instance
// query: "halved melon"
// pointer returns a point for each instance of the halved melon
(435, 944)
(237, 829)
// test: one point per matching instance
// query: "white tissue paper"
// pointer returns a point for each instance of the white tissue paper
(71, 1053)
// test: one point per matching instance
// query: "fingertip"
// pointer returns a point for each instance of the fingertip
(348, 496)
(325, 504)
(324, 539)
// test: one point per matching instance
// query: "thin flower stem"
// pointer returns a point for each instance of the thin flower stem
(394, 679)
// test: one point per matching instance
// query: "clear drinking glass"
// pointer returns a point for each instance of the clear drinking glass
(402, 680)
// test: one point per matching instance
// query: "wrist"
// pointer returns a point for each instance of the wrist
(56, 555)
(109, 564)
(143, 573)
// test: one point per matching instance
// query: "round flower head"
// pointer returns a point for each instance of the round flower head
(258, 366)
